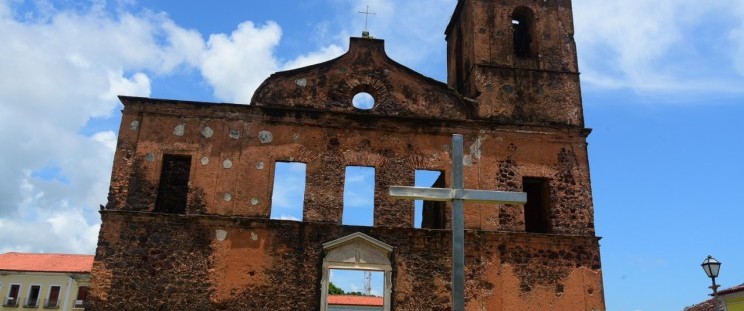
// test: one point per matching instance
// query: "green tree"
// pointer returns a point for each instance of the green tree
(356, 294)
(333, 290)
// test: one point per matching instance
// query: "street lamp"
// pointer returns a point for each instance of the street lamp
(711, 266)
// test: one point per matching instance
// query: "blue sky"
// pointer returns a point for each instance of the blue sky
(663, 86)
(353, 281)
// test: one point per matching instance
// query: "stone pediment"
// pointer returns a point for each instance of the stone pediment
(357, 250)
(331, 86)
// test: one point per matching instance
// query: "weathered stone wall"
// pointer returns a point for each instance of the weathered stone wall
(153, 261)
(222, 252)
(331, 86)
(176, 262)
(493, 36)
(232, 168)
(543, 89)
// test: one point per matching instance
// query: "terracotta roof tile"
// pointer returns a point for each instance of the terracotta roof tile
(707, 305)
(351, 300)
(735, 289)
(30, 262)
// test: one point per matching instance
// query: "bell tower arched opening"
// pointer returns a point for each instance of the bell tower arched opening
(523, 32)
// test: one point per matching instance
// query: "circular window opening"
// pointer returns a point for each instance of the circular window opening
(363, 101)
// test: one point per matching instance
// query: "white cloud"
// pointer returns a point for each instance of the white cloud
(359, 187)
(413, 30)
(108, 139)
(137, 85)
(236, 64)
(621, 45)
(185, 46)
(634, 38)
(63, 67)
(287, 197)
(4, 10)
(60, 69)
(289, 217)
(73, 228)
(424, 22)
(359, 177)
(736, 37)
(288, 191)
(322, 55)
(66, 231)
(288, 194)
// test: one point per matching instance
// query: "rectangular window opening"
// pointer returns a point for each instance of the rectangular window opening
(288, 194)
(81, 297)
(429, 214)
(52, 300)
(537, 208)
(12, 299)
(174, 184)
(33, 296)
(355, 290)
(359, 196)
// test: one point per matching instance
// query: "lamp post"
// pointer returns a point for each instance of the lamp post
(711, 266)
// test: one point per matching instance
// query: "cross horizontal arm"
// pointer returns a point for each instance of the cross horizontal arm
(443, 194)
(418, 193)
(488, 196)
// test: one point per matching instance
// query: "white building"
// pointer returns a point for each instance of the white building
(44, 281)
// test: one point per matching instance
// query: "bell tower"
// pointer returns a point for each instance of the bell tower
(517, 59)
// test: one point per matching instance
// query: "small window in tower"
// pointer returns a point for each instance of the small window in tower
(359, 196)
(537, 208)
(523, 24)
(174, 184)
(288, 196)
(429, 214)
(363, 100)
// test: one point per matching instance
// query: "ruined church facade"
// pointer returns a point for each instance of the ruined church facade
(187, 224)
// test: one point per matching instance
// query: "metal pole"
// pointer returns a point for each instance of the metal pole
(715, 295)
(458, 228)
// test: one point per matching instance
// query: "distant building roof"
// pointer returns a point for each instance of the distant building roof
(352, 300)
(30, 262)
(735, 289)
(709, 305)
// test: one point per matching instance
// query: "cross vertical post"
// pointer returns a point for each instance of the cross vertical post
(366, 13)
(457, 194)
(458, 227)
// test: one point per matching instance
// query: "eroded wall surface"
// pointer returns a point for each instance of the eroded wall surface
(540, 89)
(179, 262)
(210, 245)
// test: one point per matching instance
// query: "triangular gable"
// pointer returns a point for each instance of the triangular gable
(330, 86)
(357, 250)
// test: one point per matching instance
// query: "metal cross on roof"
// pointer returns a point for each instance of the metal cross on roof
(366, 13)
(458, 195)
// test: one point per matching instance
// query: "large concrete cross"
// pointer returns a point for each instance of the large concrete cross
(458, 195)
